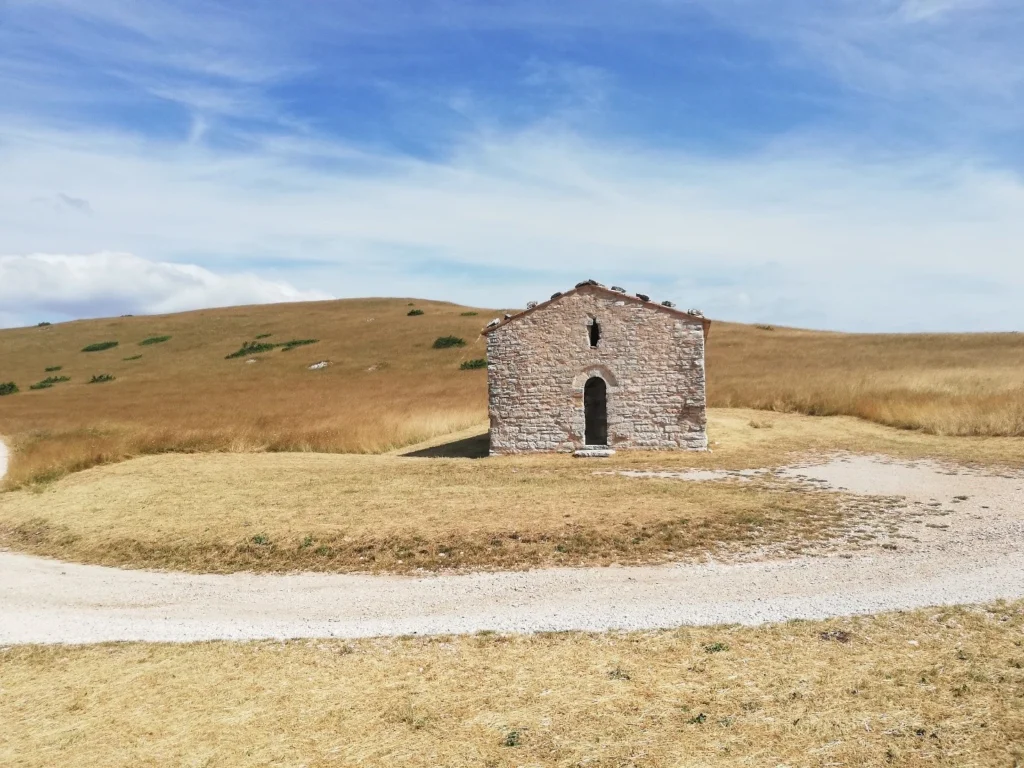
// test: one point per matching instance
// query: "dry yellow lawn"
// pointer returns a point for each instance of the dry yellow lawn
(228, 512)
(387, 387)
(948, 384)
(933, 687)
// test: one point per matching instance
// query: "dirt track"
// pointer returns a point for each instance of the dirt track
(947, 550)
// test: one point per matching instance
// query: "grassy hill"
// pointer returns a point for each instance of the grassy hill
(386, 385)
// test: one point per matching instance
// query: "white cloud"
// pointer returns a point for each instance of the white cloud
(811, 234)
(56, 286)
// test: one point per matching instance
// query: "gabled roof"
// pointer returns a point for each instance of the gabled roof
(591, 285)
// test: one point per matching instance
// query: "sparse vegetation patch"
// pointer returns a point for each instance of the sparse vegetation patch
(289, 345)
(8, 388)
(469, 314)
(99, 346)
(100, 378)
(264, 336)
(469, 365)
(445, 342)
(53, 368)
(154, 340)
(49, 381)
(414, 312)
(256, 347)
(133, 357)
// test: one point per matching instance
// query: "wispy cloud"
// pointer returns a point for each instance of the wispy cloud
(808, 226)
(845, 164)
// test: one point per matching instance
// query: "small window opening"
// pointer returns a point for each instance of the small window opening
(595, 333)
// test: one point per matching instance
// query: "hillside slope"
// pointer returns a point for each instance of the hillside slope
(386, 385)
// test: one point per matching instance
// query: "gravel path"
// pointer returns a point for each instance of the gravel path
(948, 550)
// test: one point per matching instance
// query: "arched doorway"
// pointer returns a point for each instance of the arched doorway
(595, 410)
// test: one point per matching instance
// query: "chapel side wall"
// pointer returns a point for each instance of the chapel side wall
(652, 361)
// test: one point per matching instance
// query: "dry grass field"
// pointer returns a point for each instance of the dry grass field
(933, 687)
(387, 387)
(230, 512)
(946, 384)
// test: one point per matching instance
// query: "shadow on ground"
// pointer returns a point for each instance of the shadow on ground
(475, 447)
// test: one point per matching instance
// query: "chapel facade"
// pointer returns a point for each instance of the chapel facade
(594, 370)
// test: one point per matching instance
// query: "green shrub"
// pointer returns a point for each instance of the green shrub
(444, 342)
(264, 336)
(99, 346)
(133, 357)
(251, 348)
(100, 378)
(470, 314)
(469, 365)
(414, 312)
(49, 381)
(154, 340)
(289, 345)
(43, 324)
(53, 368)
(8, 388)
(256, 347)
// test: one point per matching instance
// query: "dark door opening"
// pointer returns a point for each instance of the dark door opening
(595, 410)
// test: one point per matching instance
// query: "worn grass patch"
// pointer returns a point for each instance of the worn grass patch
(391, 513)
(928, 688)
(387, 513)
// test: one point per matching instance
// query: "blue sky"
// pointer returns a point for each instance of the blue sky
(854, 165)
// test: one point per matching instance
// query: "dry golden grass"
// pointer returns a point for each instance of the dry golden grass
(933, 687)
(387, 387)
(947, 384)
(229, 512)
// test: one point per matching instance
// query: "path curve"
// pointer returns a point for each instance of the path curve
(961, 551)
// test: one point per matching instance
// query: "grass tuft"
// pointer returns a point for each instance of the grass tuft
(53, 368)
(49, 381)
(99, 346)
(446, 342)
(154, 340)
(414, 313)
(470, 365)
(100, 378)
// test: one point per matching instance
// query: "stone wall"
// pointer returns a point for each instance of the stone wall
(651, 360)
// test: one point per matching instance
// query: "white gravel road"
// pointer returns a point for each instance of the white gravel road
(948, 551)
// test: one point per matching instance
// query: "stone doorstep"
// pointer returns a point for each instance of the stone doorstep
(594, 452)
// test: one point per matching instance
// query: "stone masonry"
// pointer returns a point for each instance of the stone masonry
(650, 357)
